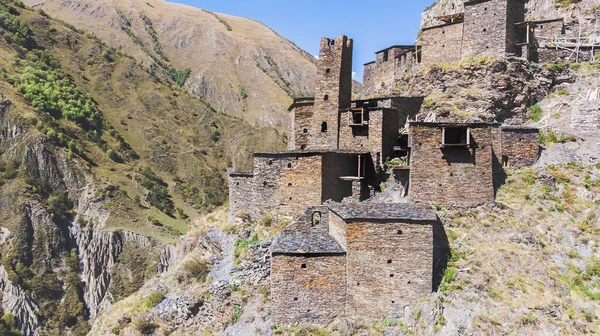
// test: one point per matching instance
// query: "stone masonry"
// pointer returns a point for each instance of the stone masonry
(347, 253)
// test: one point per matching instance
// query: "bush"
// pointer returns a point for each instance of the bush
(535, 112)
(58, 204)
(145, 327)
(153, 299)
(197, 269)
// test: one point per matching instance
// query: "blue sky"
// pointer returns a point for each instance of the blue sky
(374, 25)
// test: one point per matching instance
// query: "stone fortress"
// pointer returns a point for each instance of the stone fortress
(494, 28)
(358, 183)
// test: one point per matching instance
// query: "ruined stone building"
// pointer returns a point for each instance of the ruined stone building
(494, 28)
(347, 253)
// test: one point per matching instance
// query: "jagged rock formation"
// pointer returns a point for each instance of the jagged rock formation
(238, 65)
(19, 304)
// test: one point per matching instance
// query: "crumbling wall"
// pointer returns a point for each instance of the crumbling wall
(337, 229)
(389, 266)
(307, 289)
(520, 146)
(456, 175)
(380, 76)
(335, 166)
(241, 186)
(442, 44)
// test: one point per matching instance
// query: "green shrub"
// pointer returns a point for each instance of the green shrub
(535, 112)
(58, 204)
(153, 299)
(145, 327)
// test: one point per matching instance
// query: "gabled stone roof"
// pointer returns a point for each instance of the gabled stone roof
(298, 240)
(383, 211)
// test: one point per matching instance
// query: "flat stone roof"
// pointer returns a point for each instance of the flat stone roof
(309, 153)
(547, 21)
(241, 174)
(298, 241)
(442, 25)
(302, 101)
(520, 128)
(453, 124)
(383, 211)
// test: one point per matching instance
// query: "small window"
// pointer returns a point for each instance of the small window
(328, 70)
(399, 232)
(265, 183)
(541, 26)
(484, 29)
(270, 162)
(391, 275)
(237, 183)
(332, 42)
(456, 136)
(305, 130)
(485, 8)
(324, 127)
(316, 218)
(289, 165)
(303, 266)
(385, 56)
(326, 97)
(289, 184)
(295, 299)
(389, 261)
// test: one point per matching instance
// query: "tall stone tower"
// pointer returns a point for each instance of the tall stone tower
(490, 29)
(333, 92)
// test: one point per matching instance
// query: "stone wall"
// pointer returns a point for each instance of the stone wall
(380, 76)
(337, 229)
(240, 187)
(456, 175)
(485, 28)
(389, 266)
(366, 138)
(442, 44)
(547, 31)
(586, 116)
(307, 289)
(300, 126)
(520, 146)
(551, 54)
(333, 92)
(515, 34)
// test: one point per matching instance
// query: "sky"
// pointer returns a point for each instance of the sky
(373, 25)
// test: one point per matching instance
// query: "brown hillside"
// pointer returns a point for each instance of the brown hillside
(238, 65)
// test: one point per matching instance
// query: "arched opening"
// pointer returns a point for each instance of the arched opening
(316, 218)
(326, 97)
(324, 127)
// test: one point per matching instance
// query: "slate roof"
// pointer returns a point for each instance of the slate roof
(383, 211)
(299, 241)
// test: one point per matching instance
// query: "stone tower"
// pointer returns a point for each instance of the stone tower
(333, 92)
(490, 29)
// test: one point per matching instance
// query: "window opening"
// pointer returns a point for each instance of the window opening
(389, 261)
(328, 70)
(303, 266)
(316, 218)
(505, 161)
(305, 130)
(289, 165)
(270, 162)
(358, 117)
(326, 97)
(456, 136)
(385, 56)
(391, 275)
(399, 232)
(303, 147)
(324, 127)
(295, 299)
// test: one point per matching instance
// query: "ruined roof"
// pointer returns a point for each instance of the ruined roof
(372, 62)
(309, 153)
(383, 211)
(396, 46)
(297, 241)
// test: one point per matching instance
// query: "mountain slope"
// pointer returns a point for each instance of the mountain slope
(101, 165)
(238, 65)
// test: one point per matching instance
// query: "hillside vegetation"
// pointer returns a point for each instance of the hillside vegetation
(237, 65)
(101, 162)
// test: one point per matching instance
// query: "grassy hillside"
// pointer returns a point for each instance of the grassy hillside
(134, 132)
(237, 65)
